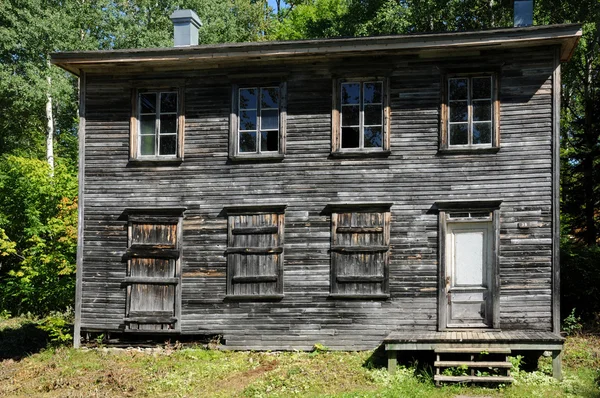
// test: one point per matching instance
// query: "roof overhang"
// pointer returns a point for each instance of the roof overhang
(565, 36)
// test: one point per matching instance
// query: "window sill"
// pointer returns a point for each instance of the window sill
(254, 297)
(150, 162)
(275, 157)
(345, 296)
(468, 151)
(359, 154)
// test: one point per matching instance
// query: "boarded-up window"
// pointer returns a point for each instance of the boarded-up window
(255, 252)
(360, 245)
(152, 273)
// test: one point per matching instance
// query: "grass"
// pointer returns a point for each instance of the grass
(189, 372)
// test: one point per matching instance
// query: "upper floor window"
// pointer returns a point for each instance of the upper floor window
(157, 124)
(470, 112)
(361, 116)
(258, 121)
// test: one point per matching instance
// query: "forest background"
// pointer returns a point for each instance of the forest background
(38, 116)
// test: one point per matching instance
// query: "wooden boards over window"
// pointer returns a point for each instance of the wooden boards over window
(153, 273)
(360, 246)
(255, 252)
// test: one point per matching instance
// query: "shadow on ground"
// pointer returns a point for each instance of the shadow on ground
(24, 340)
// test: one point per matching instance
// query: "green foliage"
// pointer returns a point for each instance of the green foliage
(39, 216)
(580, 278)
(572, 324)
(456, 371)
(59, 327)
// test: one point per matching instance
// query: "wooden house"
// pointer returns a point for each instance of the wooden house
(350, 192)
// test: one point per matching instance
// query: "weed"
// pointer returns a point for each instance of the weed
(572, 324)
(58, 325)
(456, 371)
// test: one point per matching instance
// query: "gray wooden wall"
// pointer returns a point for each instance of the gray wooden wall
(413, 177)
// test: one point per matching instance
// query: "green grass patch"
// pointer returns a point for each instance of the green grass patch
(184, 372)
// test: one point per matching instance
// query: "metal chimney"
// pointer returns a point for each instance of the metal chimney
(523, 13)
(186, 24)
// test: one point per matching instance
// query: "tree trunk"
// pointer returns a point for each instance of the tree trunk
(50, 125)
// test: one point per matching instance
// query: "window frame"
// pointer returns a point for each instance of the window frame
(337, 115)
(454, 211)
(156, 216)
(135, 119)
(251, 210)
(234, 131)
(494, 145)
(372, 208)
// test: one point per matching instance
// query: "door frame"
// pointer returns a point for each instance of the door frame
(450, 208)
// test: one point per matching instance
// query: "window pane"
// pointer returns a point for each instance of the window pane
(168, 102)
(458, 89)
(482, 87)
(269, 120)
(350, 137)
(248, 98)
(269, 141)
(147, 124)
(350, 115)
(373, 115)
(373, 137)
(168, 144)
(458, 112)
(372, 93)
(147, 145)
(270, 97)
(459, 134)
(351, 93)
(482, 111)
(248, 120)
(168, 124)
(248, 141)
(482, 133)
(148, 103)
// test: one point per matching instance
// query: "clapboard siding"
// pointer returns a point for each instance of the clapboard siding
(412, 178)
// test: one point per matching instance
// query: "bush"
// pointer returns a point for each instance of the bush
(59, 326)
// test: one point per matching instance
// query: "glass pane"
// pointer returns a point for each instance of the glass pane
(168, 124)
(468, 257)
(373, 137)
(372, 93)
(147, 145)
(459, 134)
(148, 103)
(168, 144)
(350, 137)
(248, 120)
(248, 98)
(482, 133)
(269, 141)
(168, 102)
(459, 111)
(351, 93)
(458, 89)
(373, 115)
(482, 87)
(482, 111)
(147, 124)
(269, 120)
(248, 141)
(270, 97)
(350, 115)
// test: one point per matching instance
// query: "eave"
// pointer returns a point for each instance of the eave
(566, 36)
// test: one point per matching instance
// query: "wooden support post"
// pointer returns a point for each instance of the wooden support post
(392, 361)
(557, 364)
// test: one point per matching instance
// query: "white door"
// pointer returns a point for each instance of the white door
(468, 274)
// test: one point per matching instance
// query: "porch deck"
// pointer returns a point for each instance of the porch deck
(468, 340)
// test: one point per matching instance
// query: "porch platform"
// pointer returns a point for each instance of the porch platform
(469, 340)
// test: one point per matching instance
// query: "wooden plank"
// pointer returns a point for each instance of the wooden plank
(471, 350)
(254, 250)
(254, 278)
(473, 379)
(151, 280)
(360, 278)
(359, 230)
(151, 252)
(254, 230)
(473, 364)
(360, 249)
(147, 319)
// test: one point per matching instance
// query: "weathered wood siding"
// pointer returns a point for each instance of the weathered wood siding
(413, 177)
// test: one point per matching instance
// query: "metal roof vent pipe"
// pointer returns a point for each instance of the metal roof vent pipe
(186, 23)
(523, 13)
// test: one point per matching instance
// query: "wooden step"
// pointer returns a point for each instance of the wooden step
(471, 350)
(474, 379)
(473, 364)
